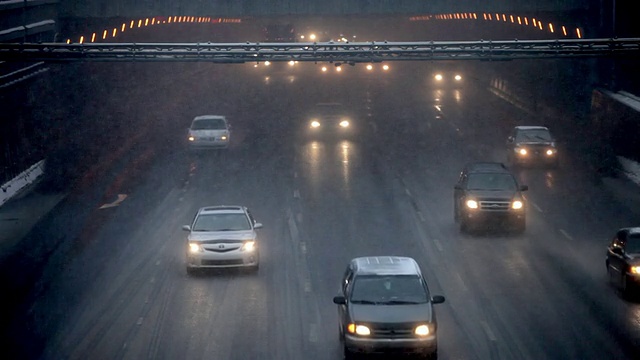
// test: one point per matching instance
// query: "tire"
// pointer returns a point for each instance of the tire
(464, 226)
(191, 271)
(456, 215)
(348, 355)
(521, 226)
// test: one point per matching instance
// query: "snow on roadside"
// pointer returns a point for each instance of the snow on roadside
(13, 187)
(630, 168)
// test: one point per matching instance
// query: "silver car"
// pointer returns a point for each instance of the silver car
(209, 131)
(221, 237)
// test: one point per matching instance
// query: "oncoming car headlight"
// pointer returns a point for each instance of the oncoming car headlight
(522, 151)
(472, 204)
(249, 246)
(635, 270)
(315, 124)
(192, 138)
(457, 77)
(438, 77)
(422, 330)
(194, 248)
(517, 205)
(344, 123)
(550, 152)
(358, 329)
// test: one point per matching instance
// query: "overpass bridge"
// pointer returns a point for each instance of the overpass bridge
(94, 24)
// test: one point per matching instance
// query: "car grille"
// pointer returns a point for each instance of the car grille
(398, 331)
(222, 245)
(494, 205)
(222, 262)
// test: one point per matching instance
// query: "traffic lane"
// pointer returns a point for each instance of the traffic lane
(425, 182)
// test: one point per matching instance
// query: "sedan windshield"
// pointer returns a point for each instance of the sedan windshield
(209, 124)
(491, 181)
(395, 289)
(221, 222)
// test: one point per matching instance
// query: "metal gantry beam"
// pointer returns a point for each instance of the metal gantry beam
(356, 52)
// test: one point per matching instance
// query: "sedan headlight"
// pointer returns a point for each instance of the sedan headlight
(344, 123)
(315, 124)
(249, 246)
(192, 138)
(517, 205)
(472, 204)
(521, 151)
(635, 270)
(223, 137)
(422, 330)
(551, 152)
(194, 248)
(358, 329)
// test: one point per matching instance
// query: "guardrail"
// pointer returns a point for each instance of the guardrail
(356, 52)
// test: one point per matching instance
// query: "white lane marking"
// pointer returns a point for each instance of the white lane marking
(438, 245)
(407, 191)
(296, 194)
(299, 217)
(295, 174)
(462, 284)
(537, 207)
(421, 216)
(139, 322)
(303, 247)
(487, 329)
(307, 285)
(313, 333)
(565, 234)
(117, 202)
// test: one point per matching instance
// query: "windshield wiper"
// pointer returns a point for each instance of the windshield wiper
(364, 302)
(400, 302)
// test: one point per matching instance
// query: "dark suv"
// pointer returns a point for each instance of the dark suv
(532, 145)
(488, 192)
(385, 306)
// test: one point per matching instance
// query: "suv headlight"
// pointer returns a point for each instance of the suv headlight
(521, 151)
(249, 246)
(195, 248)
(551, 151)
(472, 204)
(315, 124)
(517, 205)
(635, 270)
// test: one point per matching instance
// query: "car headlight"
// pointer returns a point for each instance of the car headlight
(635, 270)
(521, 151)
(422, 330)
(223, 137)
(344, 123)
(550, 152)
(192, 138)
(517, 205)
(194, 248)
(472, 204)
(457, 77)
(358, 329)
(438, 77)
(249, 246)
(315, 124)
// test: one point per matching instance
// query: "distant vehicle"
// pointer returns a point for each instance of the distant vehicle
(209, 131)
(447, 79)
(330, 120)
(623, 259)
(222, 237)
(487, 192)
(532, 145)
(280, 33)
(385, 306)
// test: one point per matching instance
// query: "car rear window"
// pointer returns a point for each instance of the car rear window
(209, 124)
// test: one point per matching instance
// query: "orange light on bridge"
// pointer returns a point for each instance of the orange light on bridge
(68, 41)
(131, 25)
(104, 34)
(140, 23)
(146, 22)
(519, 21)
(81, 40)
(540, 25)
(551, 27)
(504, 17)
(534, 22)
(498, 17)
(526, 21)
(153, 21)
(475, 16)
(579, 33)
(511, 18)
(564, 30)
(124, 26)
(115, 32)
(93, 37)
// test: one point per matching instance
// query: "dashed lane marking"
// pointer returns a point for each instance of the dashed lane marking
(565, 234)
(537, 207)
(438, 245)
(487, 329)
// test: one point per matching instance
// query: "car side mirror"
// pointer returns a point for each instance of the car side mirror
(339, 300)
(457, 187)
(617, 250)
(510, 139)
(524, 187)
(437, 299)
(186, 227)
(257, 225)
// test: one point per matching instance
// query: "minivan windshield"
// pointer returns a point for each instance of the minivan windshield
(209, 124)
(391, 289)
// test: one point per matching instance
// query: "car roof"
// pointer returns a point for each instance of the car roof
(485, 166)
(386, 265)
(201, 117)
(226, 209)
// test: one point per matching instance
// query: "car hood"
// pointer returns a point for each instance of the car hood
(492, 194)
(535, 143)
(203, 236)
(391, 313)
